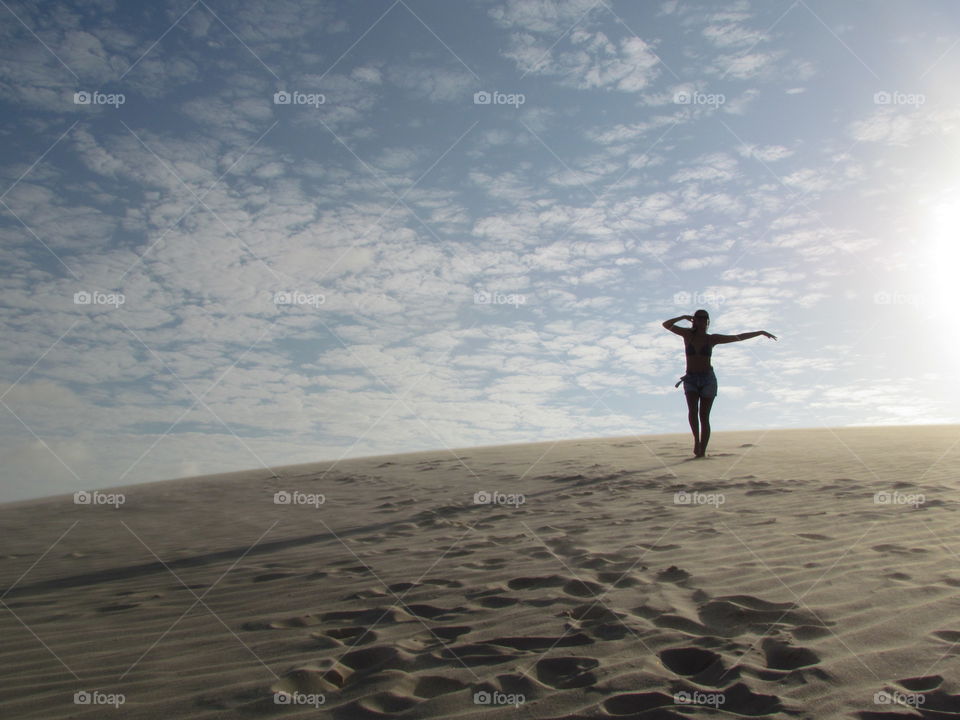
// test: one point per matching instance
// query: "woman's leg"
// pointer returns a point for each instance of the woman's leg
(705, 405)
(693, 400)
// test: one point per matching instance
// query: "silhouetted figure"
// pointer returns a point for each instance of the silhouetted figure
(700, 382)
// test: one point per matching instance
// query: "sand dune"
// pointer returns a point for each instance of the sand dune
(800, 574)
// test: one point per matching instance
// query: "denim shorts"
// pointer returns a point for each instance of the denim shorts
(702, 383)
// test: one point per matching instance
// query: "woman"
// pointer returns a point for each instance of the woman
(700, 382)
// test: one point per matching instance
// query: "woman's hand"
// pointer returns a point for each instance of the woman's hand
(764, 332)
(687, 317)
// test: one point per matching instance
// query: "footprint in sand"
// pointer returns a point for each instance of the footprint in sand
(446, 633)
(567, 672)
(900, 549)
(431, 686)
(473, 654)
(378, 705)
(673, 574)
(924, 683)
(322, 641)
(636, 703)
(600, 622)
(377, 658)
(498, 601)
(733, 615)
(781, 656)
(742, 700)
(536, 583)
(583, 588)
(903, 577)
(704, 667)
(355, 635)
(325, 677)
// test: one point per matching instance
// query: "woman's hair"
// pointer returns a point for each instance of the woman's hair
(702, 313)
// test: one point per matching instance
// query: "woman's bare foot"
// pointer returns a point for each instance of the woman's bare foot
(696, 449)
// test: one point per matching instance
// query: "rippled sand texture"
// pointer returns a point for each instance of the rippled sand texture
(769, 579)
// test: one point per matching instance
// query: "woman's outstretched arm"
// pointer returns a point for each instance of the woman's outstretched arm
(720, 339)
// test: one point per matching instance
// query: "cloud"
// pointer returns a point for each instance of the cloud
(542, 16)
(595, 61)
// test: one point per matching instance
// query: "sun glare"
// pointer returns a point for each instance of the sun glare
(944, 252)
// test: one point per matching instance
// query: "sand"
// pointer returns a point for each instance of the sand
(608, 578)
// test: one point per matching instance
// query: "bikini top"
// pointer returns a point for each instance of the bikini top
(706, 350)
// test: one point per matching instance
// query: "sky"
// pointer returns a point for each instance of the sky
(251, 234)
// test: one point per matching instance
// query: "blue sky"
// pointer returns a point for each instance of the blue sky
(464, 227)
